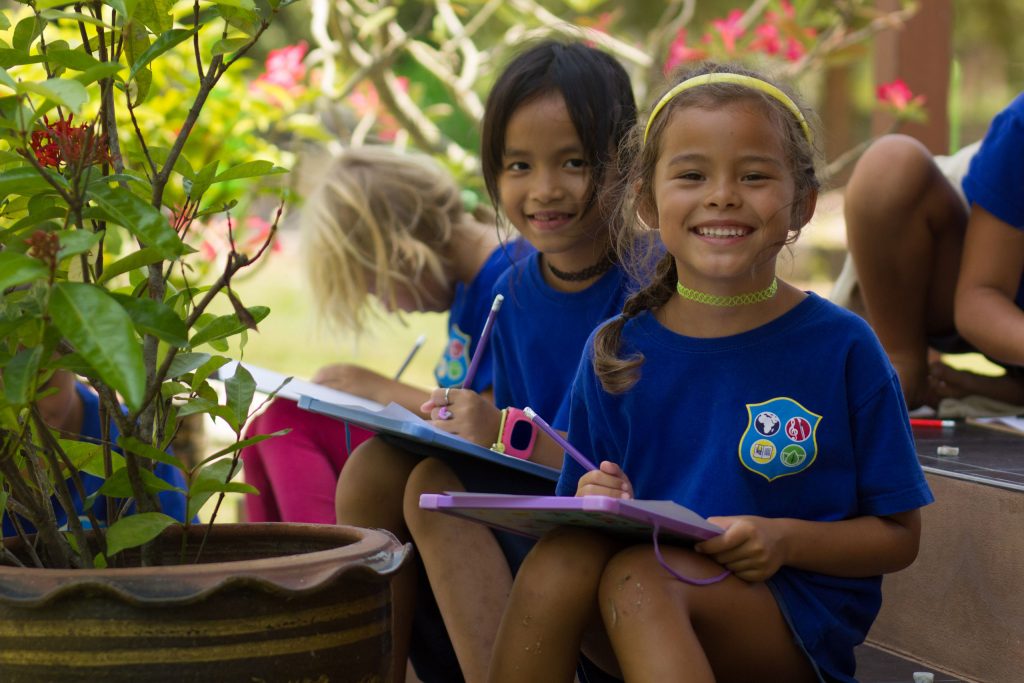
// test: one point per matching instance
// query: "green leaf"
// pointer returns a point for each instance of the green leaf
(67, 93)
(240, 4)
(4, 24)
(136, 259)
(10, 57)
(74, 242)
(27, 30)
(77, 17)
(206, 481)
(141, 219)
(155, 15)
(135, 530)
(102, 333)
(20, 375)
(79, 60)
(27, 181)
(145, 450)
(248, 170)
(88, 457)
(5, 79)
(226, 326)
(17, 269)
(123, 7)
(186, 362)
(117, 485)
(99, 72)
(136, 42)
(229, 45)
(239, 445)
(240, 390)
(202, 180)
(165, 42)
(156, 318)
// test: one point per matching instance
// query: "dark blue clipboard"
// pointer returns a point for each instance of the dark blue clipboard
(421, 439)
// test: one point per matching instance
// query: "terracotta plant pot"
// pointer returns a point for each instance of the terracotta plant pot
(268, 602)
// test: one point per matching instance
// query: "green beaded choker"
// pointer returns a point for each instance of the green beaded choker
(735, 300)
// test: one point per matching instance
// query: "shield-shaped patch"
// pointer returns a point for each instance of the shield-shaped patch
(781, 438)
(453, 365)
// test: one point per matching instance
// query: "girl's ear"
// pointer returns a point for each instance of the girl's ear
(805, 211)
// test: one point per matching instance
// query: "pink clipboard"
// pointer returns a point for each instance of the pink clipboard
(536, 515)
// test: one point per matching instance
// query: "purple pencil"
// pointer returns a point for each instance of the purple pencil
(569, 448)
(478, 355)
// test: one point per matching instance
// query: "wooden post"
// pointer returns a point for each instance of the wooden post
(921, 54)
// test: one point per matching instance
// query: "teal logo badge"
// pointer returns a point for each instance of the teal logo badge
(780, 439)
(455, 362)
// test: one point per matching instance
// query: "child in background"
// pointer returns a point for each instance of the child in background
(767, 409)
(552, 126)
(74, 412)
(390, 225)
(937, 273)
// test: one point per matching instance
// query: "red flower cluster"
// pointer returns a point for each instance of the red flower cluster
(61, 143)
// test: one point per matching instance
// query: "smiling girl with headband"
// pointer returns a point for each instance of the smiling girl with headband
(762, 407)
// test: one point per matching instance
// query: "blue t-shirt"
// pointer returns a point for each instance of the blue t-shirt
(467, 316)
(539, 335)
(802, 417)
(995, 179)
(172, 503)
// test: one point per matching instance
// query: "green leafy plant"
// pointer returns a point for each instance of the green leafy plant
(109, 167)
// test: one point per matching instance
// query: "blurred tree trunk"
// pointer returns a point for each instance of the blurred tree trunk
(921, 54)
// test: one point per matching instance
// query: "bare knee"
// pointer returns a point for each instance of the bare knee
(428, 476)
(370, 487)
(565, 566)
(890, 178)
(635, 581)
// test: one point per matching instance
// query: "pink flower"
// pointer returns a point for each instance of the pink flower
(767, 39)
(794, 49)
(283, 70)
(248, 237)
(730, 29)
(284, 66)
(898, 96)
(679, 52)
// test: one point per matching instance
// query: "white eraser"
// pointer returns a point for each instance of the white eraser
(924, 677)
(948, 450)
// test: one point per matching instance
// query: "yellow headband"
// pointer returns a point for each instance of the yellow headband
(737, 79)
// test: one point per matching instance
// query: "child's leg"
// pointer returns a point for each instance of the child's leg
(553, 605)
(299, 469)
(467, 569)
(369, 494)
(663, 629)
(905, 228)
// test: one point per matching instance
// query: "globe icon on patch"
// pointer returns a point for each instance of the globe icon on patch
(767, 424)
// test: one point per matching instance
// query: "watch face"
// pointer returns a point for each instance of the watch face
(522, 432)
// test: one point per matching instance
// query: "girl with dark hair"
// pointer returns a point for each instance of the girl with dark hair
(762, 407)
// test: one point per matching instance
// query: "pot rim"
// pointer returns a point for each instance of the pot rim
(374, 552)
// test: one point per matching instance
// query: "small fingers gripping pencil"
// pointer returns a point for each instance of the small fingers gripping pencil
(478, 355)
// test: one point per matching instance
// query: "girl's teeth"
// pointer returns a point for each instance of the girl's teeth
(721, 232)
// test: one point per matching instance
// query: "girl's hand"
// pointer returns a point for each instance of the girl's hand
(352, 379)
(607, 480)
(750, 547)
(469, 415)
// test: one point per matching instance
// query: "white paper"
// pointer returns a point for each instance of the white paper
(1016, 423)
(268, 380)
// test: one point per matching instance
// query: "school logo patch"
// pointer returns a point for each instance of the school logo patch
(780, 439)
(455, 361)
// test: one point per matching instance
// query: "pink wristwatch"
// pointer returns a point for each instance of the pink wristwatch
(516, 434)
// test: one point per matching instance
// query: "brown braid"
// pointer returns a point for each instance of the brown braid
(616, 374)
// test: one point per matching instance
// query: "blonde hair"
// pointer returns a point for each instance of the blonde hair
(636, 244)
(381, 219)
